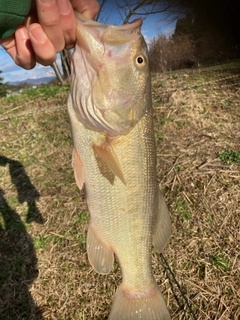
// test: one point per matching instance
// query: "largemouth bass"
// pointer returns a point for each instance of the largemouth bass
(114, 155)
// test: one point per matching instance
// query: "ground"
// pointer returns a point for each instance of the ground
(44, 271)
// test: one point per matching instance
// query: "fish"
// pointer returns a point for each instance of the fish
(114, 158)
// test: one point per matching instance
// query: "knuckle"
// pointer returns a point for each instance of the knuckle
(46, 61)
(27, 65)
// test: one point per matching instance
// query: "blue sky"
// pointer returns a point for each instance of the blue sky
(152, 26)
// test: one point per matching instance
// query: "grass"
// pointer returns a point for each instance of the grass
(220, 261)
(229, 156)
(44, 271)
(182, 208)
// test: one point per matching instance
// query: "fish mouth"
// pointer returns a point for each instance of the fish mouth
(129, 27)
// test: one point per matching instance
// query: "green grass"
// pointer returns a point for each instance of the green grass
(229, 156)
(182, 208)
(40, 242)
(13, 200)
(158, 85)
(43, 91)
(220, 261)
(83, 217)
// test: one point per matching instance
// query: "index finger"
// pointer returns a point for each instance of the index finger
(49, 18)
(89, 8)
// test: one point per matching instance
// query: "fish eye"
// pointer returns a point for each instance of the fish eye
(141, 61)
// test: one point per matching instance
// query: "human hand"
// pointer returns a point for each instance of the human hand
(49, 28)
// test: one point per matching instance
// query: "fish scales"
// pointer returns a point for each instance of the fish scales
(119, 172)
(128, 210)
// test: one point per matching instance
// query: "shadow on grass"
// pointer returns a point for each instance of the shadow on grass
(18, 261)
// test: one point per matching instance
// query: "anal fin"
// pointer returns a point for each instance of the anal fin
(162, 229)
(100, 256)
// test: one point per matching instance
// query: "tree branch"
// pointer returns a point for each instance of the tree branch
(130, 8)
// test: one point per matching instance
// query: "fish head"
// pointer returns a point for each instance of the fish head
(110, 76)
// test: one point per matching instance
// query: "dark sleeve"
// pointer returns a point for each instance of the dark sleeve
(12, 15)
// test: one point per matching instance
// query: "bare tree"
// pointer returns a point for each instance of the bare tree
(57, 72)
(126, 9)
(66, 56)
(170, 53)
(102, 4)
(129, 8)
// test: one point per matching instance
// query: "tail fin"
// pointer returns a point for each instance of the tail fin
(149, 305)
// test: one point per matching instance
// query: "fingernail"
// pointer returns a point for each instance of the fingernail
(47, 2)
(38, 34)
(64, 6)
(22, 31)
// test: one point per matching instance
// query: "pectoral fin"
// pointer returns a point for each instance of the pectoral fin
(100, 255)
(162, 229)
(108, 155)
(78, 169)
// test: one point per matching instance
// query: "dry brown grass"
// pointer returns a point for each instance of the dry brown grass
(43, 216)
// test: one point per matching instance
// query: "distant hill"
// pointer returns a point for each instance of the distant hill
(32, 81)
